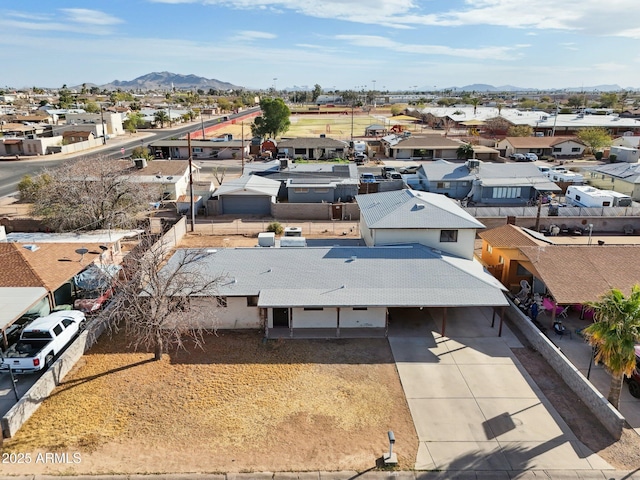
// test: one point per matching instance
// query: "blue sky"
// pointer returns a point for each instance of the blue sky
(399, 44)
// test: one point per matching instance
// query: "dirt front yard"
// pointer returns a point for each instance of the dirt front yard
(240, 404)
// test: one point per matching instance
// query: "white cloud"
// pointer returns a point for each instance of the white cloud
(495, 53)
(92, 17)
(616, 17)
(249, 35)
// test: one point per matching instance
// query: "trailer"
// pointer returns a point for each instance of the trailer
(586, 196)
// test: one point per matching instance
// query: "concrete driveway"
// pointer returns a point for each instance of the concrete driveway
(473, 404)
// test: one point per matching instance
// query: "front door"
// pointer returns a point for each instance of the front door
(280, 318)
(336, 211)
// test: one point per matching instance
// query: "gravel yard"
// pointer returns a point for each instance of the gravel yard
(237, 405)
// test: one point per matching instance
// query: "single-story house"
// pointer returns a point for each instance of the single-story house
(247, 195)
(313, 148)
(219, 149)
(408, 216)
(310, 182)
(423, 147)
(485, 182)
(77, 136)
(560, 147)
(631, 141)
(619, 177)
(337, 291)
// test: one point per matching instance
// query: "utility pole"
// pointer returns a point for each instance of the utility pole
(202, 124)
(242, 152)
(191, 202)
(104, 131)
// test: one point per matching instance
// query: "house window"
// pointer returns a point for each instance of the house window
(301, 190)
(222, 301)
(321, 190)
(359, 308)
(500, 259)
(443, 185)
(448, 236)
(557, 149)
(300, 151)
(507, 192)
(313, 308)
(196, 150)
(489, 249)
(252, 301)
(575, 149)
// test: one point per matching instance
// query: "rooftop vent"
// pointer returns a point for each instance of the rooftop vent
(419, 206)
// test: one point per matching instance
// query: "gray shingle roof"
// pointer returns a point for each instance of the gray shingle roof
(402, 209)
(350, 276)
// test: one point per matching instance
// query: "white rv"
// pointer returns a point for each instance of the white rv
(586, 196)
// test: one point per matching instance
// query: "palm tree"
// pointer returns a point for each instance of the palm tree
(474, 101)
(614, 335)
(161, 117)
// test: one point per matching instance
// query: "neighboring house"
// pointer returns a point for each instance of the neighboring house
(422, 147)
(560, 147)
(219, 149)
(619, 177)
(630, 141)
(310, 182)
(485, 182)
(625, 154)
(112, 122)
(337, 291)
(501, 253)
(313, 148)
(77, 136)
(408, 216)
(247, 195)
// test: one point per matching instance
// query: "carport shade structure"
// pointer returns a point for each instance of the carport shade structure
(410, 275)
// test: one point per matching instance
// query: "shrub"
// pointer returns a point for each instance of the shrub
(613, 157)
(598, 155)
(275, 227)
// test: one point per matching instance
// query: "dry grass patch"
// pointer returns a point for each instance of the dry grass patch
(239, 404)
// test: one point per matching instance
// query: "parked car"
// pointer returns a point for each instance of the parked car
(42, 340)
(518, 157)
(409, 169)
(92, 302)
(558, 170)
(368, 178)
(532, 157)
(395, 176)
(634, 380)
(387, 171)
(360, 158)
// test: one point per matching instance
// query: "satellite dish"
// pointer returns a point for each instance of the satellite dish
(104, 248)
(82, 251)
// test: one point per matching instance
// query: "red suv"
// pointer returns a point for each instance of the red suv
(634, 379)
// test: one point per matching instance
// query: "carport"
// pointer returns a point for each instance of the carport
(247, 195)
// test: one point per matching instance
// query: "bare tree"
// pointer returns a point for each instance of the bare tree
(219, 174)
(91, 194)
(164, 297)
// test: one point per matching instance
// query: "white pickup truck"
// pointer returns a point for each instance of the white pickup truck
(42, 340)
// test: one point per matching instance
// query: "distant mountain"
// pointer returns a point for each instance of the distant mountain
(481, 87)
(168, 80)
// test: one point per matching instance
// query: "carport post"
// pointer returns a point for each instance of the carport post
(338, 323)
(493, 317)
(501, 320)
(444, 320)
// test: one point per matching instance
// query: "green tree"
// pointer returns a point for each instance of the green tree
(274, 120)
(575, 101)
(520, 131)
(609, 100)
(398, 108)
(133, 121)
(141, 152)
(317, 91)
(224, 104)
(465, 151)
(527, 104)
(92, 107)
(65, 99)
(161, 117)
(29, 187)
(614, 334)
(595, 138)
(474, 101)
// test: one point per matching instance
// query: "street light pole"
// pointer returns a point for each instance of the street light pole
(104, 133)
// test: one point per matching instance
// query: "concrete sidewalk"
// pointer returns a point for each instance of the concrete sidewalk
(474, 406)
